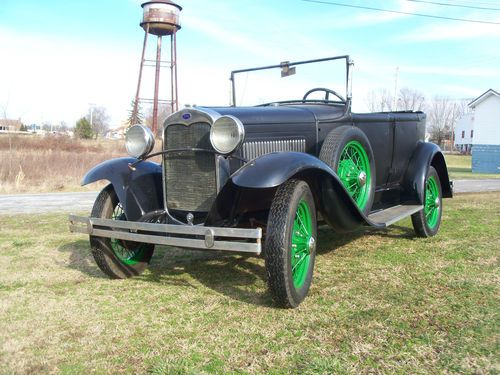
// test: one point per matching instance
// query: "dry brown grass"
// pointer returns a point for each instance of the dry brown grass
(51, 163)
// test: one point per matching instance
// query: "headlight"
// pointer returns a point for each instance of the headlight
(139, 141)
(227, 134)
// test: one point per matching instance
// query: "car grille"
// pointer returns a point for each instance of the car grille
(252, 150)
(190, 176)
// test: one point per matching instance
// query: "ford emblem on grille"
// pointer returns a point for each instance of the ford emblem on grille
(186, 116)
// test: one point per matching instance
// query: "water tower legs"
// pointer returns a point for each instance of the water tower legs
(158, 64)
(157, 85)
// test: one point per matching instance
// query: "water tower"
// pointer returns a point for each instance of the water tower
(160, 18)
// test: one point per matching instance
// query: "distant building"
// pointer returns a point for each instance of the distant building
(116, 133)
(480, 131)
(464, 132)
(34, 128)
(7, 125)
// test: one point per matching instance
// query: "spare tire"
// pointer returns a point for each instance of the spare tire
(348, 152)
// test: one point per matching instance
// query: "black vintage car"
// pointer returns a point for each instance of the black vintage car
(258, 180)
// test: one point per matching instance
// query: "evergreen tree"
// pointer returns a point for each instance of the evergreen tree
(83, 129)
(135, 118)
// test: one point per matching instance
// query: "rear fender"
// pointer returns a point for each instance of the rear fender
(255, 183)
(139, 190)
(425, 155)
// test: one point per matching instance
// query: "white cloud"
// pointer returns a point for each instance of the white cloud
(221, 35)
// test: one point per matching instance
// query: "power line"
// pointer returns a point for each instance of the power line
(401, 12)
(473, 2)
(453, 5)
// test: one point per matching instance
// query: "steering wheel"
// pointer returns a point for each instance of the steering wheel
(327, 94)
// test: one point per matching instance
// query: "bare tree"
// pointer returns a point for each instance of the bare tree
(99, 119)
(441, 117)
(407, 100)
(4, 106)
(379, 100)
(163, 112)
(63, 127)
(46, 126)
(410, 100)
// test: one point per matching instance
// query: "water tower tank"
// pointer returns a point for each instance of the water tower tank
(161, 16)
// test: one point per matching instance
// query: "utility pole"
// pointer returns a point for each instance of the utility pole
(91, 108)
(396, 82)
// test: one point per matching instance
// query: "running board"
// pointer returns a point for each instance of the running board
(389, 216)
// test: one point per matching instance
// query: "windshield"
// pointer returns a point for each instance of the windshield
(291, 80)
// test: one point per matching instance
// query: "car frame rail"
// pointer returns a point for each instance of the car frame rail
(244, 240)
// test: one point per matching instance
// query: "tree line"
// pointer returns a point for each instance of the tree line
(442, 112)
(96, 122)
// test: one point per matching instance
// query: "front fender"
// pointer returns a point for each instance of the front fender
(271, 170)
(263, 175)
(425, 155)
(139, 190)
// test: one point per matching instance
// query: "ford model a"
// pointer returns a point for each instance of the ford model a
(259, 179)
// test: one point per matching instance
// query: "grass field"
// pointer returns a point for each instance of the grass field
(460, 167)
(381, 302)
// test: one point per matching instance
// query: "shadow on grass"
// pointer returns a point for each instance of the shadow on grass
(81, 259)
(241, 278)
(394, 231)
(329, 240)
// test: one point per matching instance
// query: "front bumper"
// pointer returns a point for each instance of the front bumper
(188, 236)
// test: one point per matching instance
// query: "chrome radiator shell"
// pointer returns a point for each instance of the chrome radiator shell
(190, 177)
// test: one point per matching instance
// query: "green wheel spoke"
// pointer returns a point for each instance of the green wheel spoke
(431, 209)
(354, 161)
(127, 253)
(299, 262)
(301, 236)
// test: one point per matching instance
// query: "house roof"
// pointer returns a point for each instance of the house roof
(484, 96)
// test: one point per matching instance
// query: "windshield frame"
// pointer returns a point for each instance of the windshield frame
(286, 65)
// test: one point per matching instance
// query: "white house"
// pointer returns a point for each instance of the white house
(464, 132)
(481, 130)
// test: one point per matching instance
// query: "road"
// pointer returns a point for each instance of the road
(45, 203)
(82, 202)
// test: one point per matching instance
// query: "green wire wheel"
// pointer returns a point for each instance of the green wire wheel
(348, 152)
(126, 251)
(354, 172)
(427, 221)
(290, 245)
(118, 259)
(301, 247)
(432, 203)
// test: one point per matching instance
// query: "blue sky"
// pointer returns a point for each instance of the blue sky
(58, 56)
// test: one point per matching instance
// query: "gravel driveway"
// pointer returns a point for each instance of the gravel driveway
(82, 202)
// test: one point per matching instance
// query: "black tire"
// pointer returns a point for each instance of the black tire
(331, 152)
(426, 222)
(289, 287)
(105, 250)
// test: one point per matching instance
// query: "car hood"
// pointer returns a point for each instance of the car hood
(281, 114)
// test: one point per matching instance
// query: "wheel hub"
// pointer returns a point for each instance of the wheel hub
(311, 245)
(362, 178)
